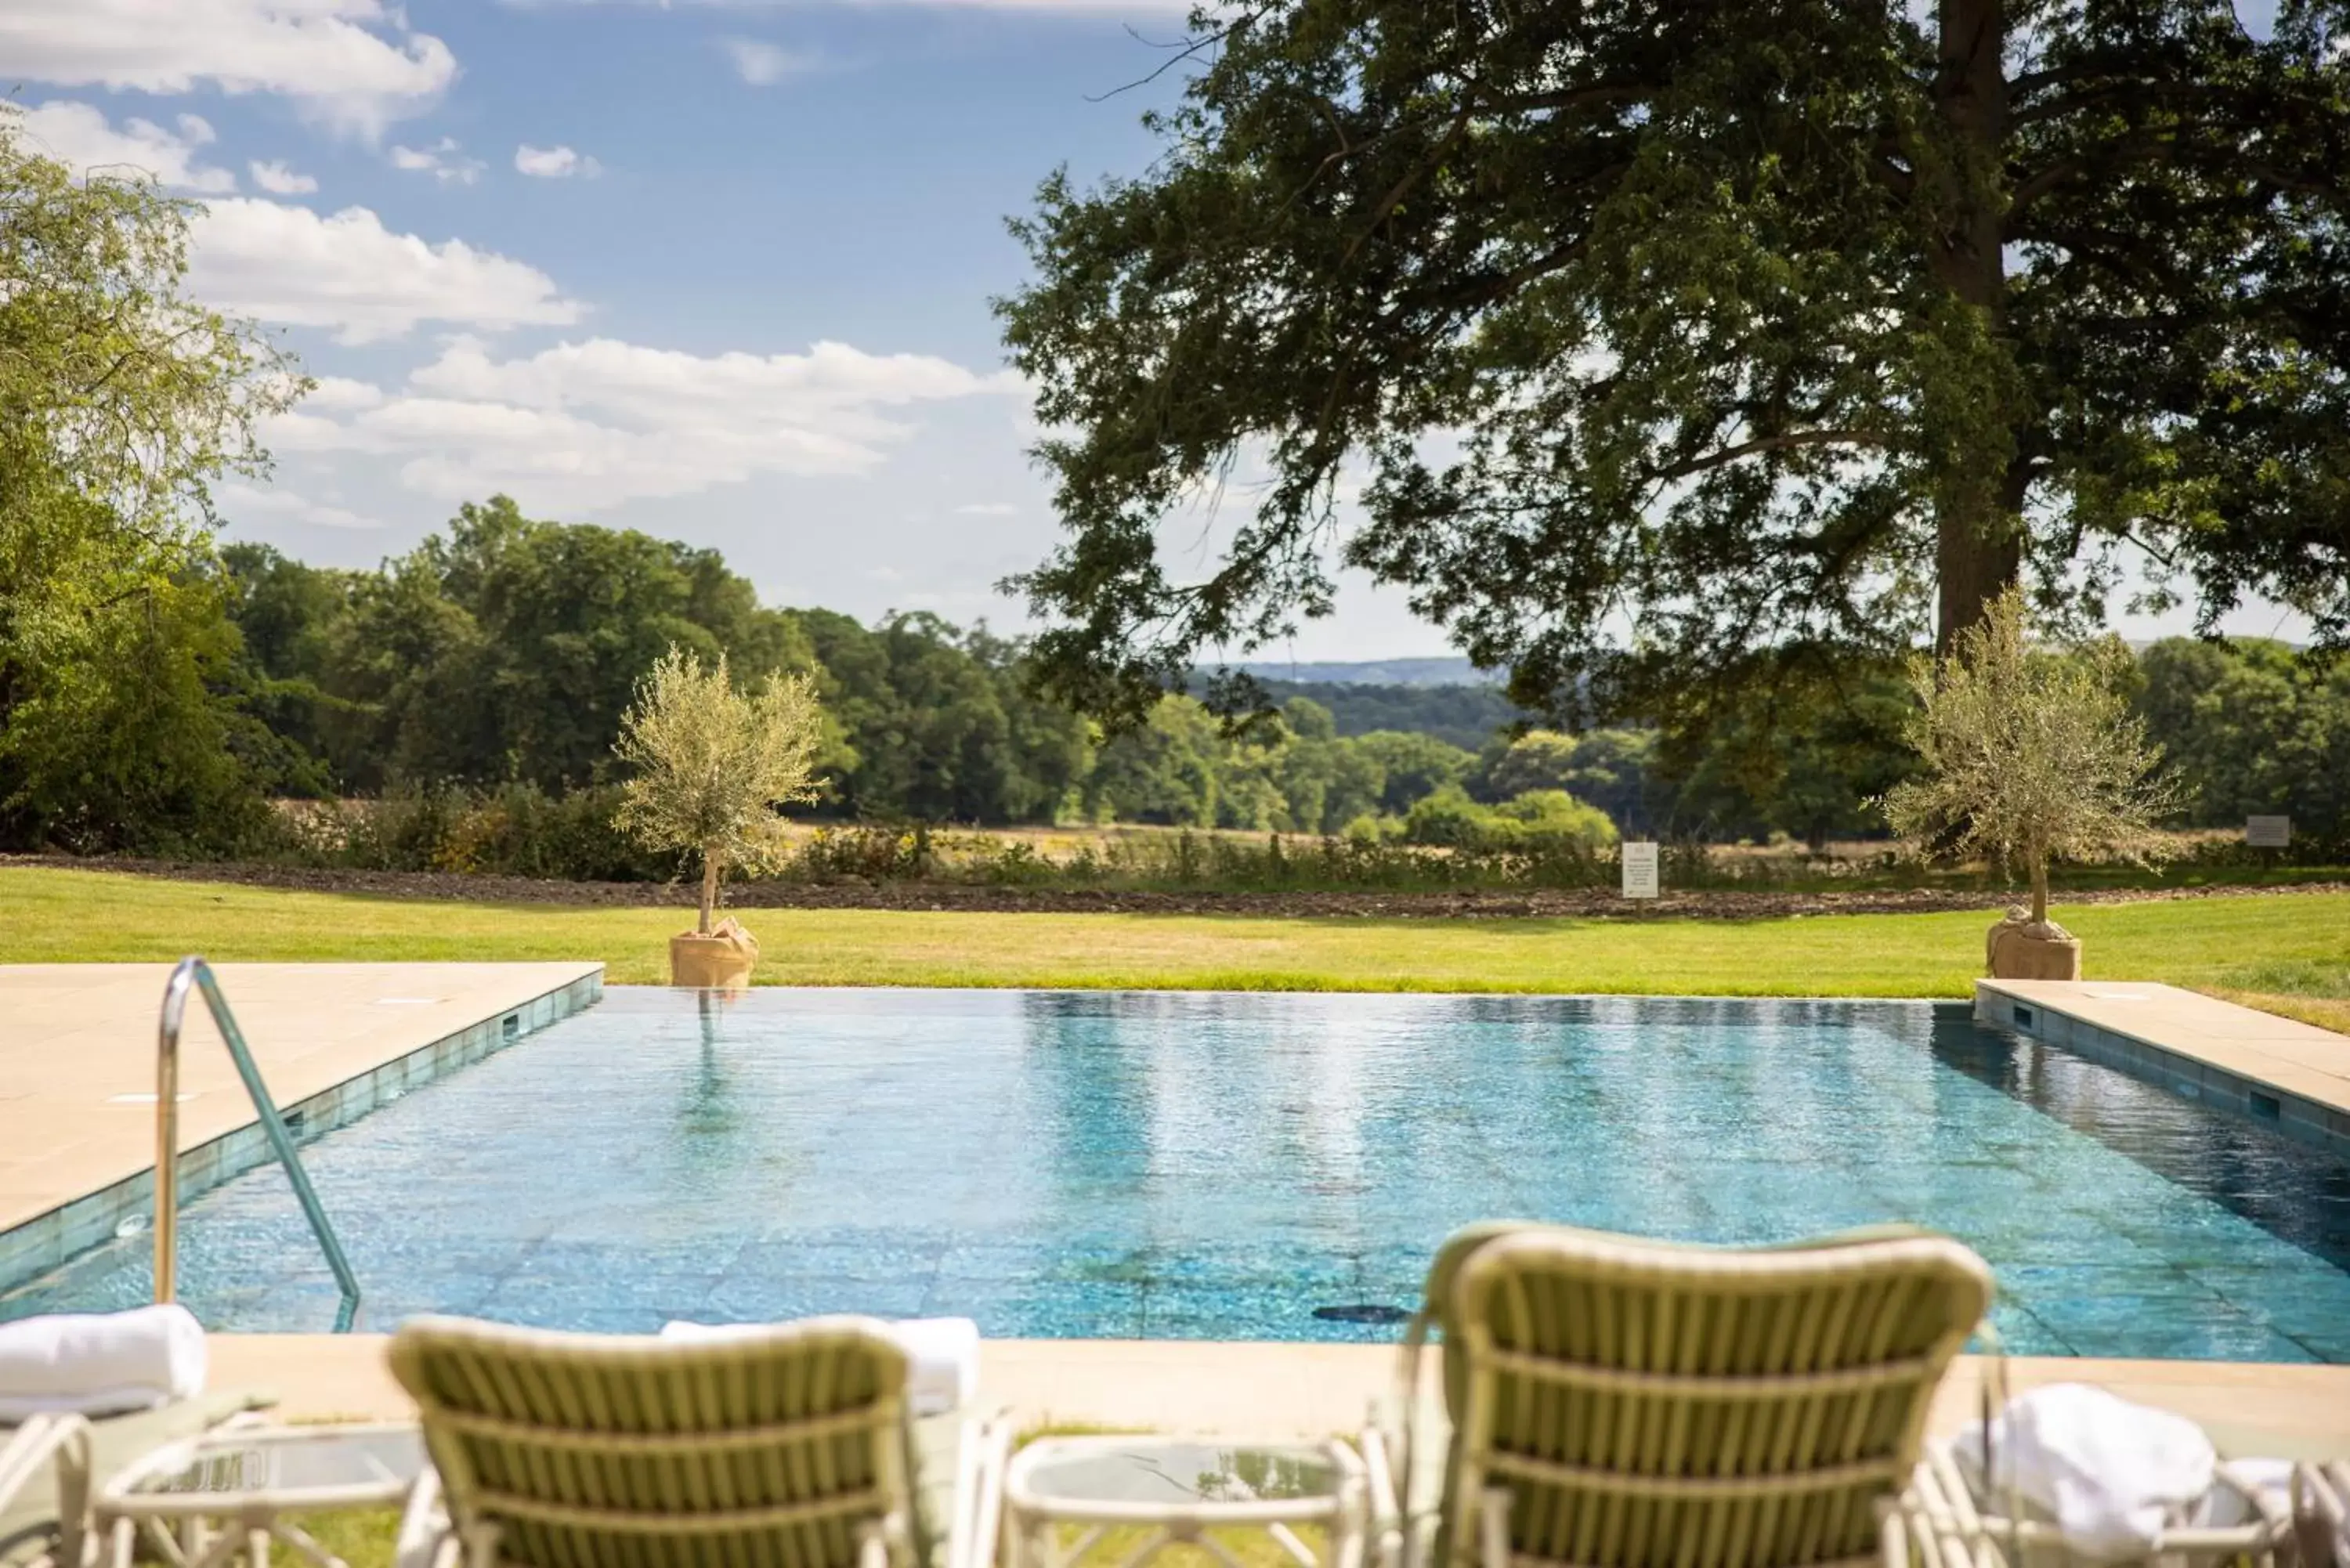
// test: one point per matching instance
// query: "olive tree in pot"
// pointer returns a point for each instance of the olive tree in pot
(2031, 754)
(711, 764)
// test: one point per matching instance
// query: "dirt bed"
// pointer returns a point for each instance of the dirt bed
(1728, 904)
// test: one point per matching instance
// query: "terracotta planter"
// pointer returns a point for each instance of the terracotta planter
(2020, 948)
(721, 960)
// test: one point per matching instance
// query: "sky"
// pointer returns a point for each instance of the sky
(715, 269)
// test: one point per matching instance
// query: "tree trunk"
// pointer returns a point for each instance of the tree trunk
(2039, 886)
(709, 864)
(1978, 545)
(1978, 555)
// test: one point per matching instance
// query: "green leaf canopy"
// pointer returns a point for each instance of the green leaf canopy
(1697, 338)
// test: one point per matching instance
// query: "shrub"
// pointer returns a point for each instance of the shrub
(1539, 821)
(1447, 818)
(1014, 863)
(1554, 816)
(406, 829)
(520, 830)
(864, 853)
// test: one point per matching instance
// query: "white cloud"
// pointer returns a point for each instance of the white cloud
(352, 63)
(444, 160)
(585, 426)
(279, 181)
(235, 502)
(1044, 7)
(79, 134)
(763, 64)
(554, 162)
(987, 509)
(341, 394)
(349, 274)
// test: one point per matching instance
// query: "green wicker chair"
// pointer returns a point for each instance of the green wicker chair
(788, 1449)
(1621, 1403)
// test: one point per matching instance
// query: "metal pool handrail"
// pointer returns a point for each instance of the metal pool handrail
(195, 971)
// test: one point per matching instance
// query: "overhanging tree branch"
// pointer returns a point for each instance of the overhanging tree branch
(1785, 442)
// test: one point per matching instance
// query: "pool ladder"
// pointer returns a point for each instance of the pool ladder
(196, 972)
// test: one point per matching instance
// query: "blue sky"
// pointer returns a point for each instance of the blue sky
(717, 269)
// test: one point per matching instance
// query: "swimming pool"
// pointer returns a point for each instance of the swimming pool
(1253, 1166)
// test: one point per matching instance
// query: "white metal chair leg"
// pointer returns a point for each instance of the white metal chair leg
(425, 1540)
(482, 1546)
(1384, 1509)
(1893, 1536)
(1493, 1526)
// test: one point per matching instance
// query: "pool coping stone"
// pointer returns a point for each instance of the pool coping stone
(2288, 1074)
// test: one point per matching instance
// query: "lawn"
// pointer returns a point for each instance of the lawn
(2254, 944)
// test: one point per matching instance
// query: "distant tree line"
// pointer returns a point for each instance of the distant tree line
(1456, 713)
(502, 652)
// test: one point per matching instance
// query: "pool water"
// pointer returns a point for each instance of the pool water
(1194, 1166)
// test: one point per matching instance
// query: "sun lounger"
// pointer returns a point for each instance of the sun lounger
(791, 1446)
(1650, 1405)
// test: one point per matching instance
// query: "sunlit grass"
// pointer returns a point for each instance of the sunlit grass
(362, 1537)
(56, 915)
(2294, 977)
(2314, 991)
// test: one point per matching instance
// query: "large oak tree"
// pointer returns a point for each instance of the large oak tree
(1702, 336)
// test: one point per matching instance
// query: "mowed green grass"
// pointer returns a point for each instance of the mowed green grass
(62, 916)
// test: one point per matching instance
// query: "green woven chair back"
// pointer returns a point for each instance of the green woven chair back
(785, 1448)
(1652, 1404)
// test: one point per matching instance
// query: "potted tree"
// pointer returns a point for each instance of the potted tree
(711, 765)
(2031, 754)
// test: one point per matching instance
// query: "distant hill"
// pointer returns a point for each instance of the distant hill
(1372, 672)
(1465, 716)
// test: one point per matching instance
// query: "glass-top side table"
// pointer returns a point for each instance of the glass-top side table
(1123, 1501)
(201, 1500)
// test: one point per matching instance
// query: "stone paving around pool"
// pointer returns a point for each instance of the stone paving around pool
(1315, 1390)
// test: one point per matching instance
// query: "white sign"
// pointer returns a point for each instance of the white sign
(2269, 831)
(1640, 870)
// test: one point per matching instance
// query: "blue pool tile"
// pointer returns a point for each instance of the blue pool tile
(1040, 1310)
(775, 1298)
(2018, 1331)
(995, 1260)
(2170, 1324)
(878, 1258)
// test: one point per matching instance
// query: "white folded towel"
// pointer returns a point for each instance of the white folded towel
(941, 1356)
(2112, 1475)
(2258, 1490)
(100, 1364)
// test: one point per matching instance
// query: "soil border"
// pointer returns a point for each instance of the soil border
(1713, 903)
